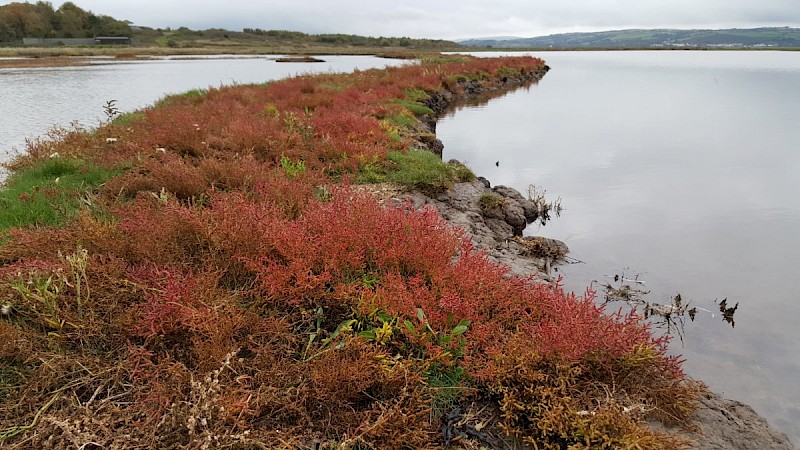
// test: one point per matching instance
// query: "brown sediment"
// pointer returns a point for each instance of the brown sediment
(300, 59)
(43, 62)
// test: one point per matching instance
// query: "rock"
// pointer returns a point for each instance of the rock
(301, 59)
(541, 247)
(492, 231)
(531, 212)
(728, 424)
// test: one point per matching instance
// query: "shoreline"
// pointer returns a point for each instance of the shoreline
(13, 57)
(721, 422)
(38, 57)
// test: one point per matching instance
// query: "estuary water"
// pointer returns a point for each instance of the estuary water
(33, 100)
(681, 168)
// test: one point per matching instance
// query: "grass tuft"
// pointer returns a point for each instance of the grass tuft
(126, 119)
(416, 108)
(415, 169)
(192, 94)
(488, 202)
(48, 193)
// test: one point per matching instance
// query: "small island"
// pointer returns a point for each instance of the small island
(299, 59)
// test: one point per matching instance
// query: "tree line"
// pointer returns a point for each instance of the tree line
(41, 20)
(350, 39)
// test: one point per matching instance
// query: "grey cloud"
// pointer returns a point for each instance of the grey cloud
(451, 18)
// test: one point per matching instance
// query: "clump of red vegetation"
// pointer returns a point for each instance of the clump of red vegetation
(232, 293)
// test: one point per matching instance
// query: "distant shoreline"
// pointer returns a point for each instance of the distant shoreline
(37, 57)
(636, 49)
(28, 57)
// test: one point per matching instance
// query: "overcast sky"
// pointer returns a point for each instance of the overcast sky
(449, 19)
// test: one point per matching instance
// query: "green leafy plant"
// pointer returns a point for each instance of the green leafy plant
(39, 299)
(78, 262)
(292, 168)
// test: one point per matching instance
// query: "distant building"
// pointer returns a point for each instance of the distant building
(100, 40)
(112, 40)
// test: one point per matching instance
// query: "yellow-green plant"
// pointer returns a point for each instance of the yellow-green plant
(77, 262)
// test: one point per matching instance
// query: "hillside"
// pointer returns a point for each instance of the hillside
(69, 21)
(734, 38)
(256, 37)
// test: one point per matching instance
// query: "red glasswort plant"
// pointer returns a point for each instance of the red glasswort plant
(235, 292)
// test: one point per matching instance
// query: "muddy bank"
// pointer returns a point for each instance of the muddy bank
(721, 423)
(27, 63)
(497, 231)
(728, 424)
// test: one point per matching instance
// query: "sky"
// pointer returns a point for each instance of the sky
(448, 19)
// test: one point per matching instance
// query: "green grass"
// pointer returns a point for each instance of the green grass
(417, 108)
(48, 193)
(508, 71)
(403, 120)
(447, 386)
(331, 86)
(10, 378)
(415, 169)
(128, 118)
(416, 94)
(195, 94)
(444, 59)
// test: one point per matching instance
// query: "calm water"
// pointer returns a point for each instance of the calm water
(34, 100)
(684, 168)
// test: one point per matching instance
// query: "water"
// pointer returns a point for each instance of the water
(33, 100)
(681, 167)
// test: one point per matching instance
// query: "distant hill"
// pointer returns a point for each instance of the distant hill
(256, 37)
(734, 38)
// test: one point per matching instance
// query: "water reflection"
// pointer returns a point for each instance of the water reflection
(670, 316)
(681, 166)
